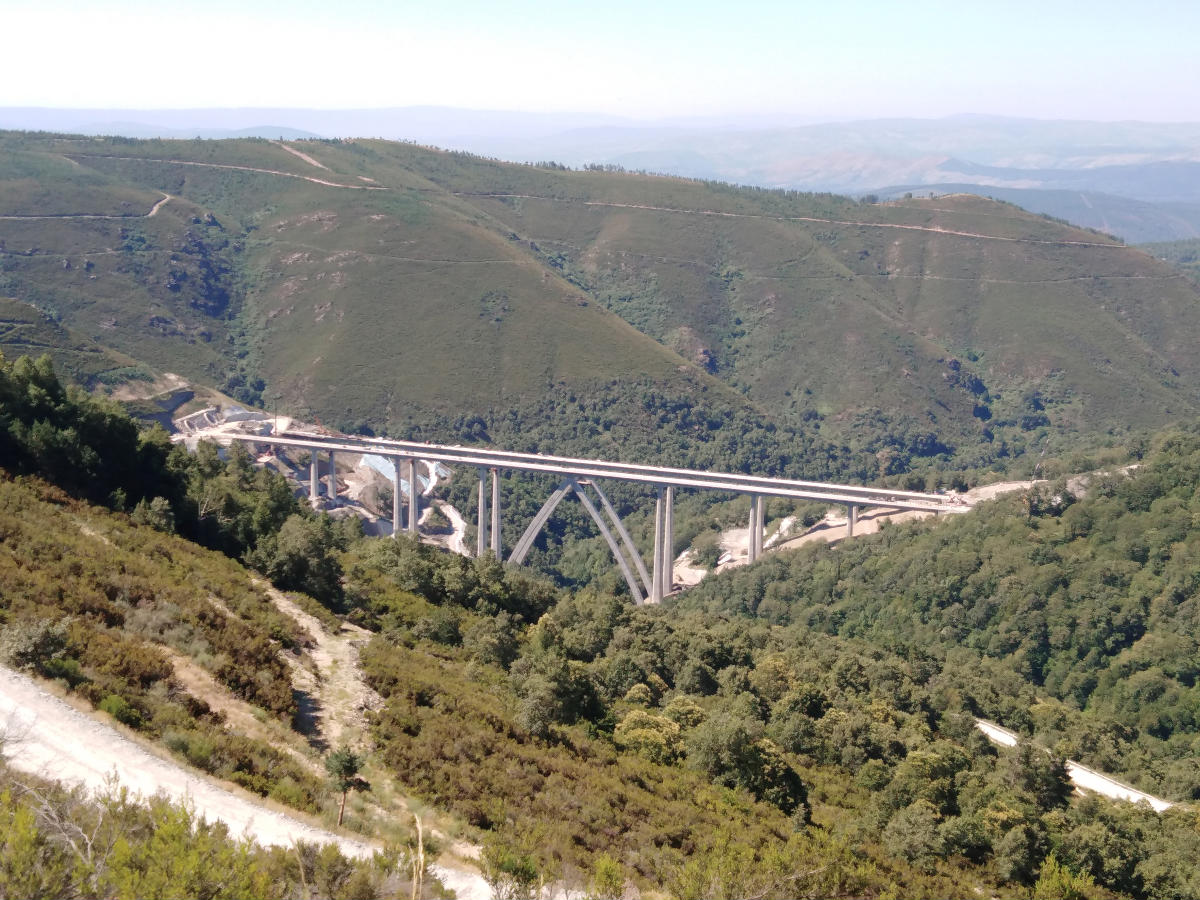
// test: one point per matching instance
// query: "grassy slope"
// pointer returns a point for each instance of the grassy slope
(26, 332)
(470, 284)
(1184, 255)
(1134, 221)
(127, 599)
(361, 303)
(867, 316)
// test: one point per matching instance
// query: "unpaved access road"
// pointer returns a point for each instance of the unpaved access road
(1082, 777)
(166, 198)
(46, 736)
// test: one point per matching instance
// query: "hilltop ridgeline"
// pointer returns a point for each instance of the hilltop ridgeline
(379, 285)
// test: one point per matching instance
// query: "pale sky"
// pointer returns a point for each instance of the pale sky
(833, 58)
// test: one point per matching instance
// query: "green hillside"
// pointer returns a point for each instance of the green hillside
(1089, 600)
(676, 750)
(25, 331)
(1134, 221)
(1184, 255)
(376, 284)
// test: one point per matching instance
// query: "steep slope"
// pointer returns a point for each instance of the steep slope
(942, 311)
(25, 331)
(375, 284)
(364, 300)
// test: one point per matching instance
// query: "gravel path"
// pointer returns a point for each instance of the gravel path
(48, 737)
(1082, 777)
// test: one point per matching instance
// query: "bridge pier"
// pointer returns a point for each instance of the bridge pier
(414, 494)
(332, 488)
(481, 526)
(668, 542)
(496, 513)
(397, 499)
(851, 519)
(313, 479)
(656, 565)
(760, 525)
(754, 541)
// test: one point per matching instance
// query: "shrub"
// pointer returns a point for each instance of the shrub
(121, 710)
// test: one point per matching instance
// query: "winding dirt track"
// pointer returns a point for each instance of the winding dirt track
(604, 203)
(202, 165)
(821, 221)
(46, 736)
(153, 212)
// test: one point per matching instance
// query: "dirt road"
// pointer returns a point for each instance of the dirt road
(1082, 777)
(48, 737)
(340, 695)
(166, 198)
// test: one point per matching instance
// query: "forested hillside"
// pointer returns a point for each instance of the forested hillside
(732, 743)
(1089, 600)
(382, 286)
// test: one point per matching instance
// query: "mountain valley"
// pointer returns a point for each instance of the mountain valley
(804, 725)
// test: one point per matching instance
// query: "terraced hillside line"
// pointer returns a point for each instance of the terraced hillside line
(821, 221)
(340, 693)
(203, 165)
(300, 154)
(153, 212)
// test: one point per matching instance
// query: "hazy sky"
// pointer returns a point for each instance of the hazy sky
(833, 58)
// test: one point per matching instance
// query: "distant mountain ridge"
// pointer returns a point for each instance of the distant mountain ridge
(1135, 221)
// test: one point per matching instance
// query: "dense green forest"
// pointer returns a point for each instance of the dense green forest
(1088, 601)
(801, 727)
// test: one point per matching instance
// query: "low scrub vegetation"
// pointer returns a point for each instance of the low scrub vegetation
(802, 727)
(60, 842)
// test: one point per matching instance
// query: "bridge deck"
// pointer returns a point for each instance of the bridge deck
(850, 495)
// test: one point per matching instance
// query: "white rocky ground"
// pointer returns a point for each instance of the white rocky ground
(48, 737)
(1082, 777)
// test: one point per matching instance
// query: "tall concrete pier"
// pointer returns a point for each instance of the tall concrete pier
(581, 478)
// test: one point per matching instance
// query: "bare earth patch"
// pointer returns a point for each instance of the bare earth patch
(240, 716)
(337, 687)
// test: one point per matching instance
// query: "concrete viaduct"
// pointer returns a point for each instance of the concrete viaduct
(577, 476)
